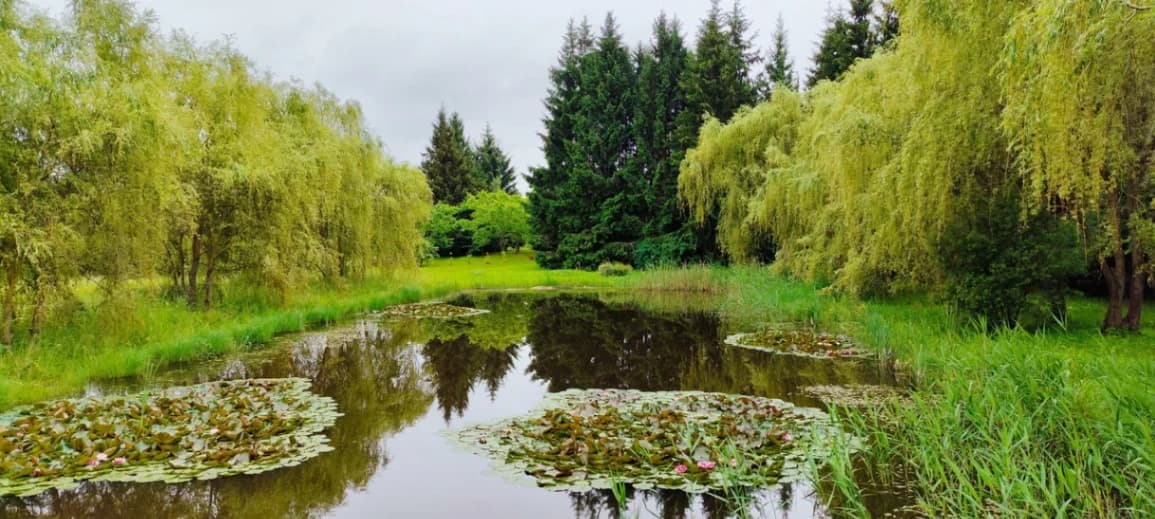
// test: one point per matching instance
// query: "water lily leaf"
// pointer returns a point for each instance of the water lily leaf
(164, 436)
(578, 440)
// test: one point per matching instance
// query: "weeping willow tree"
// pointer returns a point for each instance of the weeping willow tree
(883, 163)
(728, 168)
(1080, 86)
(125, 153)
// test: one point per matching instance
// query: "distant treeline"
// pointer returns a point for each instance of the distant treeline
(127, 153)
(619, 121)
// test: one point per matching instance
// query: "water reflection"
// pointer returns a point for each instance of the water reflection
(401, 382)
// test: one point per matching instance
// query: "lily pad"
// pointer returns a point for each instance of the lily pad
(800, 342)
(691, 441)
(856, 395)
(176, 435)
(432, 311)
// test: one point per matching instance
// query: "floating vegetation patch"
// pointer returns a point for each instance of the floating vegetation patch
(856, 395)
(581, 440)
(803, 342)
(431, 311)
(203, 432)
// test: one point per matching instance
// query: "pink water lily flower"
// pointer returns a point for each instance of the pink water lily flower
(100, 456)
(93, 462)
(707, 465)
(681, 469)
(787, 437)
(120, 461)
(734, 462)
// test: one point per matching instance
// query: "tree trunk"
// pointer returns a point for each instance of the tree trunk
(1115, 268)
(210, 269)
(194, 269)
(9, 309)
(38, 311)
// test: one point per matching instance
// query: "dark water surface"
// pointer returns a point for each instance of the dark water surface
(402, 383)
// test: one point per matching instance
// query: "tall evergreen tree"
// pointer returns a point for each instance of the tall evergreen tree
(448, 162)
(886, 24)
(718, 81)
(600, 186)
(493, 165)
(845, 40)
(660, 101)
(548, 209)
(779, 66)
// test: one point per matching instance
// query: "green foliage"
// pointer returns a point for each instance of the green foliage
(498, 221)
(493, 165)
(611, 269)
(128, 154)
(200, 432)
(779, 70)
(995, 265)
(583, 439)
(449, 162)
(448, 232)
(490, 221)
(1079, 83)
(848, 39)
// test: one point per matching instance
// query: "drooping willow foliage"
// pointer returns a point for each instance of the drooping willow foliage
(1045, 106)
(128, 153)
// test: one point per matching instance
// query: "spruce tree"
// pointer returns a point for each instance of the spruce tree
(660, 101)
(886, 24)
(844, 41)
(448, 161)
(493, 165)
(779, 67)
(599, 186)
(548, 206)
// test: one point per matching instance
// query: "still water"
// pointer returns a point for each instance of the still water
(401, 383)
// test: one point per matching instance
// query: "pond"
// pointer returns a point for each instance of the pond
(402, 383)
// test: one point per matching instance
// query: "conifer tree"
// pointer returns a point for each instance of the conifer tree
(847, 39)
(494, 166)
(547, 207)
(779, 66)
(448, 162)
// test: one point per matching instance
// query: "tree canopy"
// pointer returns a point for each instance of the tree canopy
(126, 153)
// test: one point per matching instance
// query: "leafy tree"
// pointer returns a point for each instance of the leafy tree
(448, 231)
(1080, 90)
(493, 165)
(448, 161)
(498, 221)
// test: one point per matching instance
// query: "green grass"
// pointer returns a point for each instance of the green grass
(1057, 423)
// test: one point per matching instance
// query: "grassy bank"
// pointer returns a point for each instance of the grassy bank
(149, 331)
(1058, 423)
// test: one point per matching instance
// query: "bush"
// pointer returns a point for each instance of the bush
(1000, 265)
(613, 269)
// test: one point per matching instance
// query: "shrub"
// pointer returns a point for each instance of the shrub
(614, 269)
(1000, 265)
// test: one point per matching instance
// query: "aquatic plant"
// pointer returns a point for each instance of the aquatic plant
(431, 311)
(200, 432)
(856, 395)
(800, 342)
(584, 439)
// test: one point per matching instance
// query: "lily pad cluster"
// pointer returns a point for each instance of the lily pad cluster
(200, 432)
(584, 439)
(801, 342)
(858, 395)
(432, 311)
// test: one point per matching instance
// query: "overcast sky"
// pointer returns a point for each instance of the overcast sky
(403, 59)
